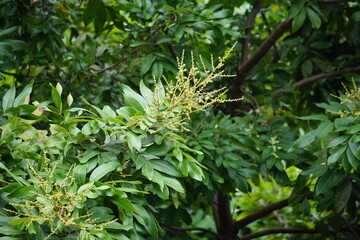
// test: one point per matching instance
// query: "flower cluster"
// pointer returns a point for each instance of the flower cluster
(350, 102)
(187, 94)
(56, 203)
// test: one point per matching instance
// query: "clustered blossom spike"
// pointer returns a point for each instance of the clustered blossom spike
(61, 201)
(351, 101)
(188, 94)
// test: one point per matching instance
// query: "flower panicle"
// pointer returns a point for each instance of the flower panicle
(187, 93)
(350, 102)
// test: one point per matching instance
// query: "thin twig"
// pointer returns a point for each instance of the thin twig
(182, 229)
(276, 56)
(7, 73)
(116, 63)
(250, 26)
(350, 227)
(277, 230)
(261, 213)
(246, 66)
(326, 75)
(265, 211)
(333, 1)
(264, 47)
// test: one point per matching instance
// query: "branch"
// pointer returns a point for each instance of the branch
(245, 67)
(7, 73)
(334, 1)
(117, 63)
(326, 75)
(192, 229)
(277, 230)
(276, 56)
(264, 47)
(250, 24)
(222, 214)
(350, 227)
(261, 213)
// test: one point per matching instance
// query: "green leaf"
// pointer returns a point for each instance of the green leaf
(151, 226)
(336, 141)
(8, 98)
(355, 17)
(80, 174)
(314, 18)
(183, 166)
(8, 230)
(328, 181)
(85, 187)
(305, 140)
(134, 100)
(146, 93)
(306, 207)
(5, 47)
(8, 30)
(126, 112)
(133, 140)
(320, 45)
(296, 7)
(195, 171)
(100, 17)
(148, 169)
(324, 129)
(166, 167)
(333, 158)
(221, 14)
(90, 11)
(157, 70)
(242, 184)
(158, 178)
(16, 44)
(307, 68)
(128, 92)
(316, 169)
(346, 165)
(56, 98)
(18, 221)
(266, 153)
(352, 159)
(163, 40)
(179, 31)
(23, 192)
(109, 157)
(354, 139)
(342, 196)
(334, 107)
(138, 43)
(89, 154)
(11, 45)
(298, 21)
(108, 112)
(159, 92)
(318, 117)
(20, 180)
(102, 170)
(147, 64)
(353, 129)
(178, 153)
(123, 203)
(20, 99)
(355, 149)
(174, 184)
(118, 226)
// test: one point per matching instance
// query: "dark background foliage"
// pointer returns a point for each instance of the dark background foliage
(267, 168)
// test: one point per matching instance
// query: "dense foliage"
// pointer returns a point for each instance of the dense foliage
(122, 120)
